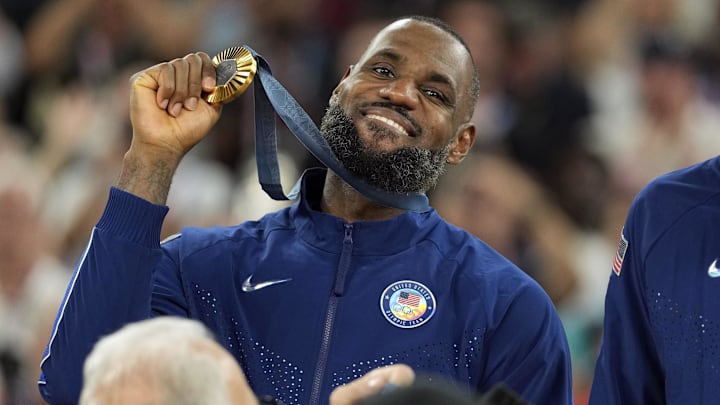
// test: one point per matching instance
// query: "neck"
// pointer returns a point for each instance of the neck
(341, 200)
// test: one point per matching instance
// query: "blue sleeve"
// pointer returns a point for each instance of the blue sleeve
(112, 286)
(529, 351)
(628, 370)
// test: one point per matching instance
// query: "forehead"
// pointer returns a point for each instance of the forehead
(423, 44)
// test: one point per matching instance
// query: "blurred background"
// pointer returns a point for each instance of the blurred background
(582, 103)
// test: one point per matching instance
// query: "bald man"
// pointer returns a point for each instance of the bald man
(312, 296)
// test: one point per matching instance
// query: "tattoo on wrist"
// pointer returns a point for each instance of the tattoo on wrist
(150, 181)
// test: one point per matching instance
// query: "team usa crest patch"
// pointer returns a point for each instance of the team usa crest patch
(407, 304)
(620, 255)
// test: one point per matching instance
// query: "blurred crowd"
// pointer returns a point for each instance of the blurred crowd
(582, 103)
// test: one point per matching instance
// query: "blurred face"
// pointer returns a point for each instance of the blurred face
(481, 25)
(402, 112)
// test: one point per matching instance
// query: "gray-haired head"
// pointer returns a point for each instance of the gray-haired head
(165, 360)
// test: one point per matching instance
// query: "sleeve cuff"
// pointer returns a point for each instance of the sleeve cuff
(133, 218)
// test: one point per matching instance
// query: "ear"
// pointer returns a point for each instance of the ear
(462, 144)
(345, 76)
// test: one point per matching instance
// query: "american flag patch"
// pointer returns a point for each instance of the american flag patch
(620, 255)
(411, 299)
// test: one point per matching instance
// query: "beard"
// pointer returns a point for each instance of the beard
(405, 170)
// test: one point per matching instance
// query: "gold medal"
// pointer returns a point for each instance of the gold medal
(234, 69)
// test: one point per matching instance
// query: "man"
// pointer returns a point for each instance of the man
(312, 296)
(661, 327)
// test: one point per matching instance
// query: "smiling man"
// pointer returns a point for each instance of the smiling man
(394, 121)
(314, 295)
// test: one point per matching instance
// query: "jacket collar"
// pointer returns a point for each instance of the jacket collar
(327, 232)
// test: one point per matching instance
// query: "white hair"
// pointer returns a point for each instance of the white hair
(171, 356)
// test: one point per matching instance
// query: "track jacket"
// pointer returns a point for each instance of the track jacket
(661, 334)
(307, 302)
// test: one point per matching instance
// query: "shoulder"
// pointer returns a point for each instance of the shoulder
(459, 245)
(192, 239)
(673, 199)
(683, 188)
(481, 268)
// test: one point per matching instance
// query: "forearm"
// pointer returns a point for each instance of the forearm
(148, 176)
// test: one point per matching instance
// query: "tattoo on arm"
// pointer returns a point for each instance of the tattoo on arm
(149, 181)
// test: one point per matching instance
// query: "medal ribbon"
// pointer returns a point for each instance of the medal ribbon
(272, 98)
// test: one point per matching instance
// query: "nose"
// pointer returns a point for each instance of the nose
(401, 92)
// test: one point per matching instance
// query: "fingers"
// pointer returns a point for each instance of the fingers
(208, 72)
(181, 82)
(372, 383)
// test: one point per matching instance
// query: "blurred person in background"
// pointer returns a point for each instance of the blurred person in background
(673, 124)
(3, 393)
(11, 70)
(652, 114)
(549, 104)
(92, 40)
(31, 279)
(484, 24)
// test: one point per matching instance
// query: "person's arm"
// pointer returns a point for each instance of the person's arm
(628, 370)
(56, 23)
(110, 287)
(528, 351)
(112, 284)
(172, 34)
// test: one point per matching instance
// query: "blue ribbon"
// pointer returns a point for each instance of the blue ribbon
(270, 98)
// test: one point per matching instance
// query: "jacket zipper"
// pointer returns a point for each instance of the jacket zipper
(338, 291)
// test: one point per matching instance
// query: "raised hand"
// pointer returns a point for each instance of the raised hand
(168, 118)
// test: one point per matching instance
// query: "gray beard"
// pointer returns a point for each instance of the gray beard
(406, 170)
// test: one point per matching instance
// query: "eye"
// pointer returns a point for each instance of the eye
(433, 93)
(383, 71)
(436, 95)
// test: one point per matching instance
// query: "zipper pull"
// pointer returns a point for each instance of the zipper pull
(348, 234)
(344, 266)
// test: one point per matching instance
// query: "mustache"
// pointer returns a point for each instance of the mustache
(398, 109)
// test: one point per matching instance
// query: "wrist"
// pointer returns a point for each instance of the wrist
(148, 173)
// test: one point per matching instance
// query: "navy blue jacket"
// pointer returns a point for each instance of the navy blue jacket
(307, 302)
(661, 339)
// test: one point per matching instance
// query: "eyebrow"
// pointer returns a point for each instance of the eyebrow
(441, 78)
(392, 55)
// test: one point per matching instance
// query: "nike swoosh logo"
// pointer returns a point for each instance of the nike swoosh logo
(248, 286)
(713, 271)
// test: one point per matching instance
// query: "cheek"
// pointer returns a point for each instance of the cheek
(439, 133)
(346, 101)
